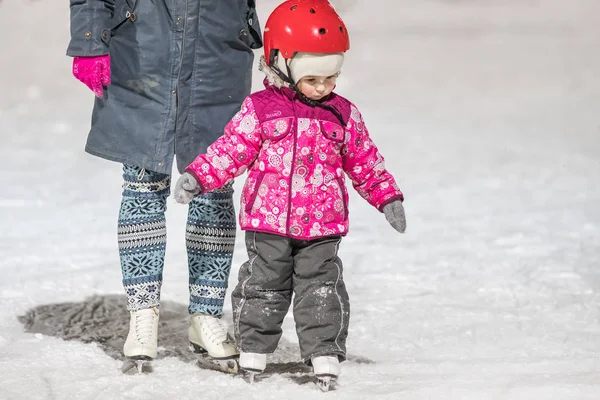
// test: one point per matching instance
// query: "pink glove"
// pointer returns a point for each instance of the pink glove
(93, 71)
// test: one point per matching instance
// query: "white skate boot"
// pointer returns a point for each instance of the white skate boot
(209, 338)
(327, 370)
(252, 364)
(141, 343)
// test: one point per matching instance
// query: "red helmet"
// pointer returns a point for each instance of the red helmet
(308, 26)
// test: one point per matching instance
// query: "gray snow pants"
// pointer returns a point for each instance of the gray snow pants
(277, 267)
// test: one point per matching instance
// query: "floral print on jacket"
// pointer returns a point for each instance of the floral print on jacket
(296, 156)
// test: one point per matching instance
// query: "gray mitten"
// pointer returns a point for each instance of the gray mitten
(394, 213)
(186, 188)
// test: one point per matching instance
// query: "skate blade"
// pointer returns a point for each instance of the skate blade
(251, 375)
(137, 365)
(326, 382)
(228, 365)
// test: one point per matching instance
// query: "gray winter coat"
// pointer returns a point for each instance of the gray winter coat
(180, 70)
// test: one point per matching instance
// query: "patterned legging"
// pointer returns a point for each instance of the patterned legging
(142, 234)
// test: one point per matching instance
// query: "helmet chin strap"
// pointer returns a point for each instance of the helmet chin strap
(303, 98)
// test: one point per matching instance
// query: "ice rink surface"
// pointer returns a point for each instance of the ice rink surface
(487, 113)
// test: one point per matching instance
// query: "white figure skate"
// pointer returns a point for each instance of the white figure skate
(252, 364)
(142, 340)
(210, 340)
(327, 370)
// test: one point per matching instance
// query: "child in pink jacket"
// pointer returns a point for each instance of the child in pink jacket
(296, 139)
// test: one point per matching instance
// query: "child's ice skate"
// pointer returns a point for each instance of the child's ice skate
(327, 370)
(252, 364)
(141, 343)
(210, 340)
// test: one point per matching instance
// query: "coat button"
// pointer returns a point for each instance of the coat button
(104, 35)
(130, 16)
(88, 34)
(174, 91)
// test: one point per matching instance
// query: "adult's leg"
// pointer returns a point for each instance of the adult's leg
(210, 238)
(142, 241)
(142, 235)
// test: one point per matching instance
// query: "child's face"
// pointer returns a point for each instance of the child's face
(317, 87)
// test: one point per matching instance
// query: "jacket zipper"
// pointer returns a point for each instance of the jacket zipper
(291, 177)
(181, 56)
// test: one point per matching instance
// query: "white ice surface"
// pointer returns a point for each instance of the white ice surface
(488, 113)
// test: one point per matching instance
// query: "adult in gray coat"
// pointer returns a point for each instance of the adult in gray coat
(168, 75)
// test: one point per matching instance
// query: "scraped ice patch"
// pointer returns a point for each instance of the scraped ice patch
(104, 321)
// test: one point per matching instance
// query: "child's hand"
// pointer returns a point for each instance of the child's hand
(394, 213)
(186, 188)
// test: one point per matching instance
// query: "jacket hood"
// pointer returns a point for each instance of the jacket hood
(272, 78)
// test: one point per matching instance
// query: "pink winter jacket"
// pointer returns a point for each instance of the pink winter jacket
(296, 156)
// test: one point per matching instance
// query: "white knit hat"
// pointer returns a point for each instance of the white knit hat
(314, 64)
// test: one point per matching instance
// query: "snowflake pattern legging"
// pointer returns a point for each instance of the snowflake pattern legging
(142, 235)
